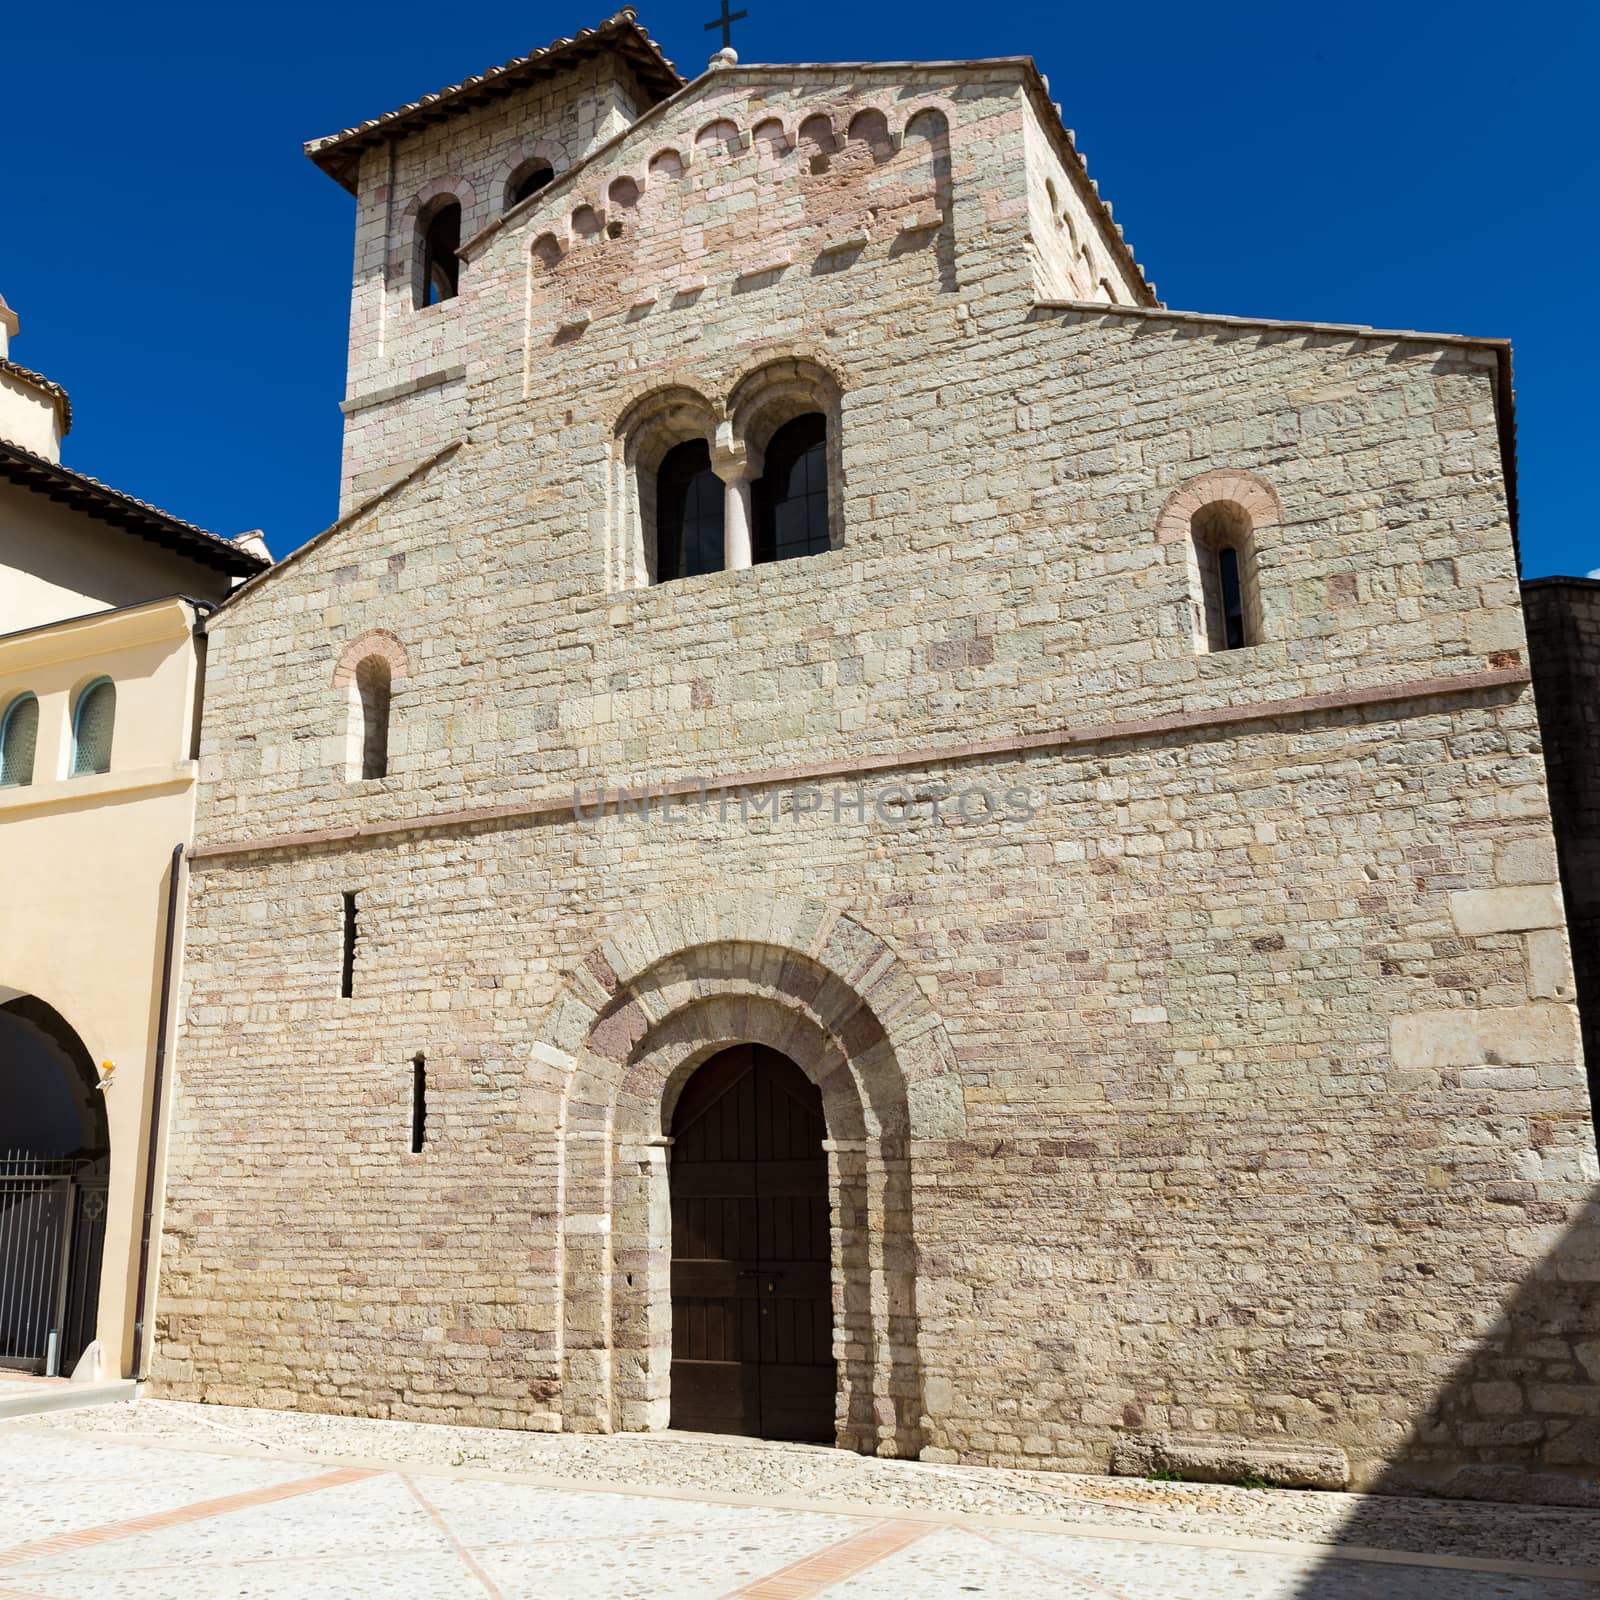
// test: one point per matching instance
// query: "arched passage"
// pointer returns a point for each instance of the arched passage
(54, 1151)
(664, 994)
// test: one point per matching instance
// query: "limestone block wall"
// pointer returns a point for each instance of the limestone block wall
(1073, 261)
(1268, 1110)
(404, 378)
(1257, 1106)
(406, 366)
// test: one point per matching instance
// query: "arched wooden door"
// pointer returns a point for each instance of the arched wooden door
(752, 1320)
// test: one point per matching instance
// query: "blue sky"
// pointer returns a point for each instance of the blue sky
(184, 271)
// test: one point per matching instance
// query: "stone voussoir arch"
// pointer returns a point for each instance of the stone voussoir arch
(376, 642)
(653, 999)
(451, 185)
(874, 1007)
(1252, 494)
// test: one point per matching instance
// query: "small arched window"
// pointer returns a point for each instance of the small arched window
(93, 719)
(439, 244)
(19, 739)
(527, 181)
(791, 496)
(373, 689)
(1224, 551)
(689, 513)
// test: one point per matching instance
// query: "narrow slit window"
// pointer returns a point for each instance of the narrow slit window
(1225, 578)
(419, 1103)
(347, 975)
(1232, 597)
(374, 689)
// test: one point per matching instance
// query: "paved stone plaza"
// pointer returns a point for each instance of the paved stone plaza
(148, 1500)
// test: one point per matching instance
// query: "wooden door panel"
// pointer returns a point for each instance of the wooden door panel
(709, 1229)
(715, 1178)
(752, 1341)
(716, 1396)
(797, 1402)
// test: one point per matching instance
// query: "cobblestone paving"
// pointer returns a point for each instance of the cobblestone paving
(150, 1500)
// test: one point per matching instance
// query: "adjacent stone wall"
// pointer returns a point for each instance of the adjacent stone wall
(1258, 1107)
(1564, 651)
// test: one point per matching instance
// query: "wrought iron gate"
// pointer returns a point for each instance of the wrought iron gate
(52, 1239)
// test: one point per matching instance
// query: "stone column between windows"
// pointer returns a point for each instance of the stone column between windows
(738, 471)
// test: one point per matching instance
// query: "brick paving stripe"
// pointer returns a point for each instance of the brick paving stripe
(812, 1574)
(60, 1543)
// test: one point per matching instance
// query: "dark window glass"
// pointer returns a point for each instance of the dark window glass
(441, 266)
(1232, 599)
(791, 497)
(527, 183)
(689, 502)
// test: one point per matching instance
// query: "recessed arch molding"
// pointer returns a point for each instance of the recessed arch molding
(654, 998)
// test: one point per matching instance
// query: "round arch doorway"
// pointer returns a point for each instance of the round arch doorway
(54, 1156)
(752, 1303)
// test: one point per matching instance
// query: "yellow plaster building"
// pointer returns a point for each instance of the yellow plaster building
(101, 676)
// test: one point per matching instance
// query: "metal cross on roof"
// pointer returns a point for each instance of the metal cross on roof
(726, 22)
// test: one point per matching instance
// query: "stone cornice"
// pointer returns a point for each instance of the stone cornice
(398, 391)
(1329, 330)
(1214, 717)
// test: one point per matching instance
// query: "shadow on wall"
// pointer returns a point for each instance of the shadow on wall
(1517, 1420)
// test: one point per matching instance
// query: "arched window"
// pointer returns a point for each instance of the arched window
(1227, 522)
(689, 513)
(791, 496)
(92, 721)
(19, 738)
(373, 690)
(1224, 549)
(527, 181)
(438, 244)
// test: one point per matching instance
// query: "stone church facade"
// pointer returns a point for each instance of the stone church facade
(1126, 809)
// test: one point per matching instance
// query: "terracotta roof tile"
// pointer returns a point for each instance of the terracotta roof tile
(339, 154)
(139, 517)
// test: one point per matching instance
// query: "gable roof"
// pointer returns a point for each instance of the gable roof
(108, 505)
(339, 154)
